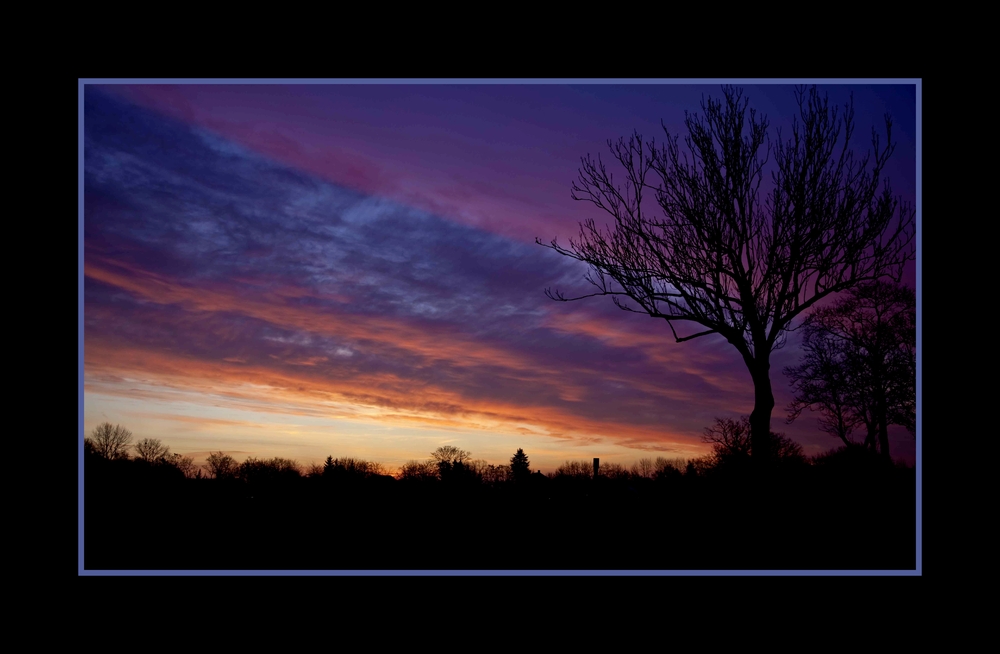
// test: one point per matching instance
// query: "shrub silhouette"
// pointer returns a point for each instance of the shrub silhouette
(732, 449)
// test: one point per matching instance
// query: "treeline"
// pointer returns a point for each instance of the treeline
(145, 508)
(729, 439)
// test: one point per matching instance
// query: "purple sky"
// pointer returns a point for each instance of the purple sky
(351, 270)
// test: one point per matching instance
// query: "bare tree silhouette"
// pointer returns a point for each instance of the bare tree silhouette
(222, 466)
(722, 257)
(731, 443)
(730, 439)
(185, 464)
(644, 467)
(151, 450)
(450, 454)
(450, 462)
(268, 471)
(860, 363)
(423, 471)
(111, 441)
(576, 469)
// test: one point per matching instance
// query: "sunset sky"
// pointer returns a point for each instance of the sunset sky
(351, 270)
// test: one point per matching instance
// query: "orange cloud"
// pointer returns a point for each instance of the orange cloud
(382, 397)
(385, 399)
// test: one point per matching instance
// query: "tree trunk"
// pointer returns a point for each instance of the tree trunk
(761, 445)
(882, 423)
(842, 427)
(870, 433)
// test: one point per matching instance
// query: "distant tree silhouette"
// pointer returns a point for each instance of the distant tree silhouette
(644, 468)
(576, 469)
(450, 454)
(699, 466)
(256, 470)
(496, 474)
(730, 440)
(731, 443)
(151, 450)
(664, 468)
(725, 259)
(859, 365)
(349, 468)
(185, 464)
(222, 466)
(520, 468)
(822, 382)
(450, 462)
(476, 468)
(423, 471)
(111, 441)
(612, 470)
(460, 472)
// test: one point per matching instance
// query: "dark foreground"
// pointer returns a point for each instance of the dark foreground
(801, 521)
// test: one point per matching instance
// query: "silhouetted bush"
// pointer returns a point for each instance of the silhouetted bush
(850, 459)
(731, 450)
